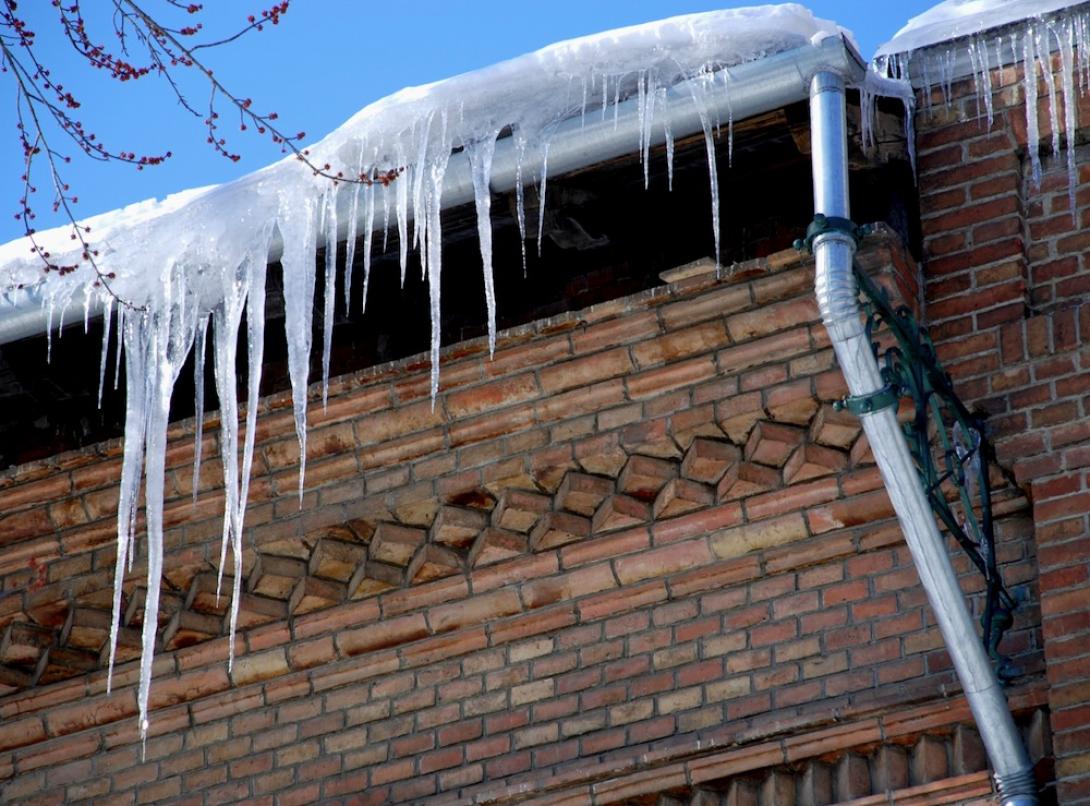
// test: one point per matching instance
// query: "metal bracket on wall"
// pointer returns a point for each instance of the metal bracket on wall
(949, 447)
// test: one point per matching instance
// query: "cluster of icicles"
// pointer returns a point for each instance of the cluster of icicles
(1031, 45)
(191, 269)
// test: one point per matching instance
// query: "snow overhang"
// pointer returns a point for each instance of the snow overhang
(735, 93)
(955, 31)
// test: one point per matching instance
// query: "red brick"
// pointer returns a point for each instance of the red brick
(585, 371)
(477, 399)
(663, 562)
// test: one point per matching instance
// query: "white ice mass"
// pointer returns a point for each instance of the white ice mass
(198, 259)
(189, 268)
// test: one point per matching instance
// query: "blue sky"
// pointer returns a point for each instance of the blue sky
(325, 60)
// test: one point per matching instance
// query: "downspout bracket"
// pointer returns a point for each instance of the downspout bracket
(823, 224)
(884, 398)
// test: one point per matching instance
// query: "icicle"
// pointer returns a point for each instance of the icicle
(168, 333)
(520, 193)
(583, 106)
(669, 152)
(948, 61)
(225, 323)
(616, 102)
(480, 154)
(385, 216)
(1044, 56)
(350, 240)
(368, 235)
(1016, 54)
(49, 332)
(541, 195)
(402, 185)
(434, 247)
(1077, 28)
(977, 79)
(866, 118)
(419, 220)
(605, 96)
(713, 174)
(986, 81)
(927, 86)
(136, 392)
(200, 350)
(120, 345)
(1067, 58)
(1029, 89)
(730, 130)
(255, 340)
(297, 229)
(329, 294)
(107, 320)
(647, 117)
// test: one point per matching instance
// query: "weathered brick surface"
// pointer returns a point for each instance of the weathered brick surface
(1006, 288)
(634, 537)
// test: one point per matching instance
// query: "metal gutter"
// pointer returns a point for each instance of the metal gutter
(739, 92)
(838, 300)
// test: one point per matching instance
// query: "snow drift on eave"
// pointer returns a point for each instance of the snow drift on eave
(957, 38)
(199, 259)
(954, 19)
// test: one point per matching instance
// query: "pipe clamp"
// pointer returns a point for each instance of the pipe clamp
(823, 224)
(859, 405)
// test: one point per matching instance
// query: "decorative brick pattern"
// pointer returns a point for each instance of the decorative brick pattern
(653, 579)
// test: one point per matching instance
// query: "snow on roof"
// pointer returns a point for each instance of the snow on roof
(952, 19)
(202, 255)
(527, 94)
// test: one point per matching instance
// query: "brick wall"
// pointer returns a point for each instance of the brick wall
(1007, 285)
(638, 552)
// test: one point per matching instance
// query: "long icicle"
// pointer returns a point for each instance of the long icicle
(200, 350)
(329, 288)
(480, 154)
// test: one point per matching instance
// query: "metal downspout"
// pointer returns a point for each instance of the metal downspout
(841, 313)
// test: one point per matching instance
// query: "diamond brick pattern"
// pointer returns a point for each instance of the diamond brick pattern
(582, 493)
(206, 595)
(557, 529)
(335, 559)
(680, 496)
(433, 562)
(373, 577)
(457, 526)
(621, 484)
(809, 461)
(519, 510)
(618, 512)
(394, 544)
(276, 577)
(643, 476)
(494, 545)
(745, 479)
(772, 443)
(311, 593)
(833, 428)
(707, 460)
